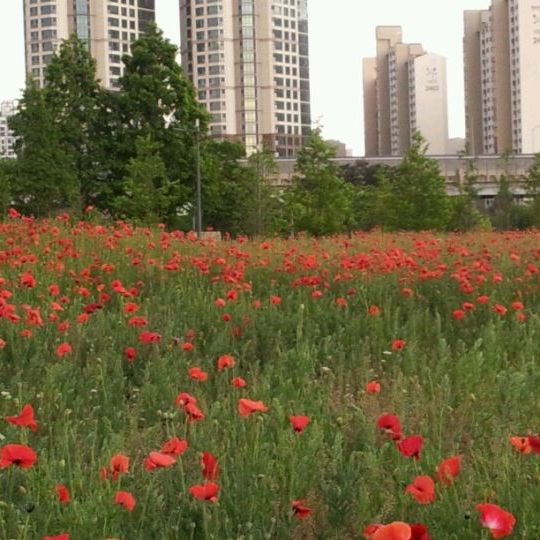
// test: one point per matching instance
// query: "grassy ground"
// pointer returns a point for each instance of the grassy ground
(295, 316)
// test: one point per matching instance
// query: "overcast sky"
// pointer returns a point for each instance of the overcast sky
(342, 32)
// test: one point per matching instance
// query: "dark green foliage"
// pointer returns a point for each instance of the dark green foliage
(158, 101)
(465, 215)
(146, 190)
(533, 191)
(237, 197)
(320, 201)
(7, 177)
(420, 200)
(72, 96)
(46, 179)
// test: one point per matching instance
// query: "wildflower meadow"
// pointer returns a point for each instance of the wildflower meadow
(157, 386)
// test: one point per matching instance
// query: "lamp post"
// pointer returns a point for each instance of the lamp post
(198, 183)
(198, 178)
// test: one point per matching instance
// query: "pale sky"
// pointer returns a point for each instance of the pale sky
(342, 32)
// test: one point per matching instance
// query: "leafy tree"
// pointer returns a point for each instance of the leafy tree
(46, 180)
(503, 208)
(362, 173)
(533, 190)
(320, 201)
(146, 188)
(7, 172)
(465, 215)
(375, 205)
(419, 189)
(157, 100)
(266, 206)
(73, 96)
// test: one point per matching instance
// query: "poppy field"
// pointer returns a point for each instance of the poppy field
(154, 386)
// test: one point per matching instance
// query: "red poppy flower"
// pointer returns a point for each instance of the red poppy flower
(374, 310)
(125, 499)
(63, 349)
(398, 344)
(397, 530)
(174, 447)
(238, 382)
(247, 407)
(198, 374)
(498, 521)
(422, 489)
(25, 419)
(137, 321)
(483, 299)
(419, 532)
(183, 398)
(411, 446)
(373, 387)
(193, 412)
(17, 454)
(449, 469)
(2, 343)
(205, 492)
(300, 511)
(225, 361)
(119, 465)
(130, 307)
(500, 309)
(210, 467)
(149, 337)
(535, 444)
(157, 460)
(371, 529)
(276, 300)
(517, 306)
(299, 423)
(458, 314)
(187, 346)
(62, 493)
(391, 425)
(63, 536)
(130, 353)
(521, 444)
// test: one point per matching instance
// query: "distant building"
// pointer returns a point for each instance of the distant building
(405, 90)
(340, 147)
(7, 140)
(501, 48)
(249, 61)
(455, 146)
(109, 27)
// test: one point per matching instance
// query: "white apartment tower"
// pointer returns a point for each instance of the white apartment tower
(107, 26)
(502, 77)
(7, 139)
(249, 61)
(404, 91)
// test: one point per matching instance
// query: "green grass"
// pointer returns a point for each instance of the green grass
(465, 385)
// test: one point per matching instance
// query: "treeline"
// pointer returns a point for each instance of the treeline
(133, 154)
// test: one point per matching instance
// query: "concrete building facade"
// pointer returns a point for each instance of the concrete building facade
(107, 26)
(404, 91)
(249, 61)
(7, 139)
(502, 76)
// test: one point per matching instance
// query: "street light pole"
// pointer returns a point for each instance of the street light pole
(198, 180)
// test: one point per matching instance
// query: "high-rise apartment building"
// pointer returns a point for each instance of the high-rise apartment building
(249, 61)
(7, 139)
(107, 26)
(501, 47)
(404, 91)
